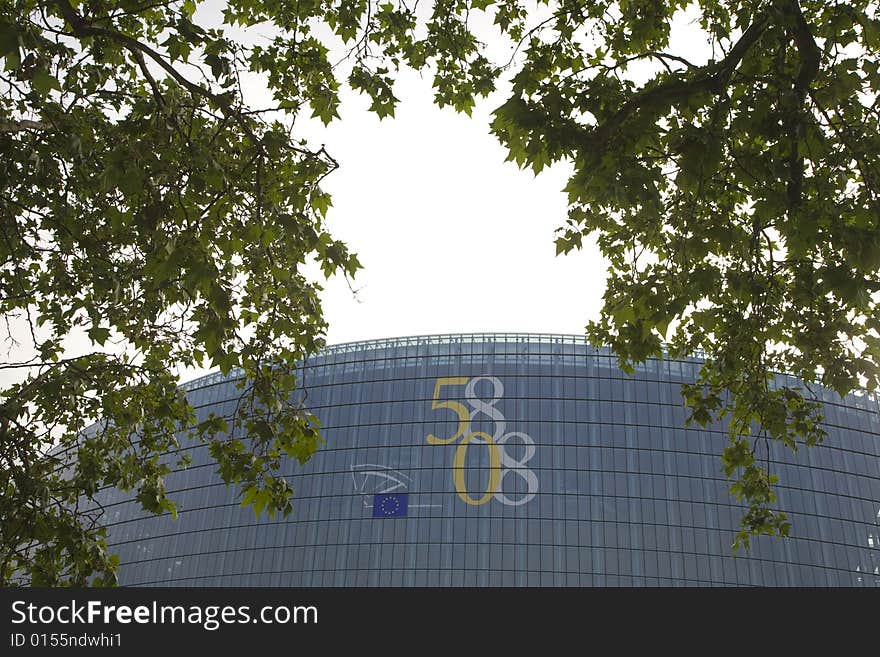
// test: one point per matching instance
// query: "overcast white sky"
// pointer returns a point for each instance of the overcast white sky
(451, 237)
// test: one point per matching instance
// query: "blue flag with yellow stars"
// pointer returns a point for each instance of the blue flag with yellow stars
(390, 505)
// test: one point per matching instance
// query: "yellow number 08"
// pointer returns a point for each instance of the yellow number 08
(464, 420)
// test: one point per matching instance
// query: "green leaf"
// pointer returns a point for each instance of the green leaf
(8, 39)
(99, 335)
(43, 82)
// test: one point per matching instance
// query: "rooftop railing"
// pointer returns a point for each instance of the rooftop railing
(417, 341)
(454, 338)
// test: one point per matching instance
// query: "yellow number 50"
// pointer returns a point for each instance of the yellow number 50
(464, 422)
(464, 417)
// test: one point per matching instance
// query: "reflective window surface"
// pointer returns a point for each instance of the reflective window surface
(510, 460)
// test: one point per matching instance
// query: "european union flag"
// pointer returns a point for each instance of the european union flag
(390, 505)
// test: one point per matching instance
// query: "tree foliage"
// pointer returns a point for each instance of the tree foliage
(147, 203)
(736, 199)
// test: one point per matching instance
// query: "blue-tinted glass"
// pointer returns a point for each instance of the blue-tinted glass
(589, 477)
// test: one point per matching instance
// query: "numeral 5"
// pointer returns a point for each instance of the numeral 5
(464, 417)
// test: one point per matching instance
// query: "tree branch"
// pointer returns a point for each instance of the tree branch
(157, 93)
(83, 28)
(712, 77)
(809, 52)
(7, 127)
(810, 57)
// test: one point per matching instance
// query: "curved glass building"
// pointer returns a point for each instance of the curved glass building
(510, 460)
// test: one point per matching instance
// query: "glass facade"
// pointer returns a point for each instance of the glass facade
(510, 460)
